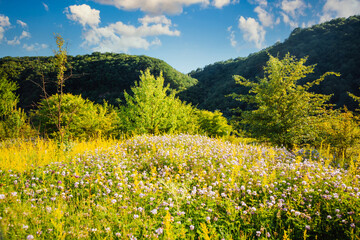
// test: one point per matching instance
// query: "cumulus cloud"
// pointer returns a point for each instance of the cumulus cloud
(153, 6)
(34, 47)
(233, 41)
(46, 7)
(83, 14)
(253, 31)
(222, 3)
(340, 8)
(13, 42)
(4, 24)
(16, 40)
(120, 37)
(265, 18)
(293, 7)
(21, 23)
(288, 21)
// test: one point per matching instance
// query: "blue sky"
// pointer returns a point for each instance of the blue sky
(187, 34)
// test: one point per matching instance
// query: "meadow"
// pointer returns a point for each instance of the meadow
(174, 187)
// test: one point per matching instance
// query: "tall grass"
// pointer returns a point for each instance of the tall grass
(175, 187)
(21, 155)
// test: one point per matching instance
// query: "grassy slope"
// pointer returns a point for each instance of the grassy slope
(176, 187)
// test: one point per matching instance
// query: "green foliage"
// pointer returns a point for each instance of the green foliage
(341, 130)
(82, 119)
(96, 76)
(213, 123)
(16, 125)
(152, 109)
(333, 46)
(8, 98)
(285, 112)
(13, 121)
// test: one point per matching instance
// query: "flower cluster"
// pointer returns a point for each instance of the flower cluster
(181, 186)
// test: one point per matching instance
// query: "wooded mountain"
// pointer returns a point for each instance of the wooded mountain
(333, 46)
(97, 76)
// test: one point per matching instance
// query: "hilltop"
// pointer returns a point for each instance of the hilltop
(98, 76)
(333, 46)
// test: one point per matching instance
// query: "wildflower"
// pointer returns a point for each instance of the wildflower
(118, 234)
(113, 201)
(258, 233)
(154, 211)
(268, 234)
(307, 227)
(136, 216)
(352, 225)
(191, 227)
(329, 217)
(25, 227)
(30, 237)
(107, 229)
(208, 218)
(159, 231)
(223, 194)
(2, 196)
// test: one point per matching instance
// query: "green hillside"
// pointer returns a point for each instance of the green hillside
(333, 46)
(96, 76)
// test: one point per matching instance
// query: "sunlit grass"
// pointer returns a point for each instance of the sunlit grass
(174, 187)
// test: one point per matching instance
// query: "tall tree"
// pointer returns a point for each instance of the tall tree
(285, 112)
(153, 108)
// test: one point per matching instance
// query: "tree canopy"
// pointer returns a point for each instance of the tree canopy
(285, 112)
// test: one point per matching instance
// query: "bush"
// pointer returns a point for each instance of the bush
(341, 131)
(213, 123)
(80, 118)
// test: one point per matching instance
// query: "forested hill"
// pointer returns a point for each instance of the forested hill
(333, 46)
(96, 76)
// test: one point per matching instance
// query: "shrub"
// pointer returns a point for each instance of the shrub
(80, 118)
(213, 123)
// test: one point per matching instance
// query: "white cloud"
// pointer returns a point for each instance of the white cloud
(4, 23)
(83, 14)
(262, 2)
(340, 8)
(253, 31)
(293, 7)
(288, 21)
(21, 23)
(265, 18)
(222, 3)
(25, 34)
(120, 37)
(16, 40)
(13, 42)
(34, 47)
(153, 6)
(46, 7)
(157, 19)
(233, 41)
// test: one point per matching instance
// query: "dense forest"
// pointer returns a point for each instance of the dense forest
(96, 77)
(332, 46)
